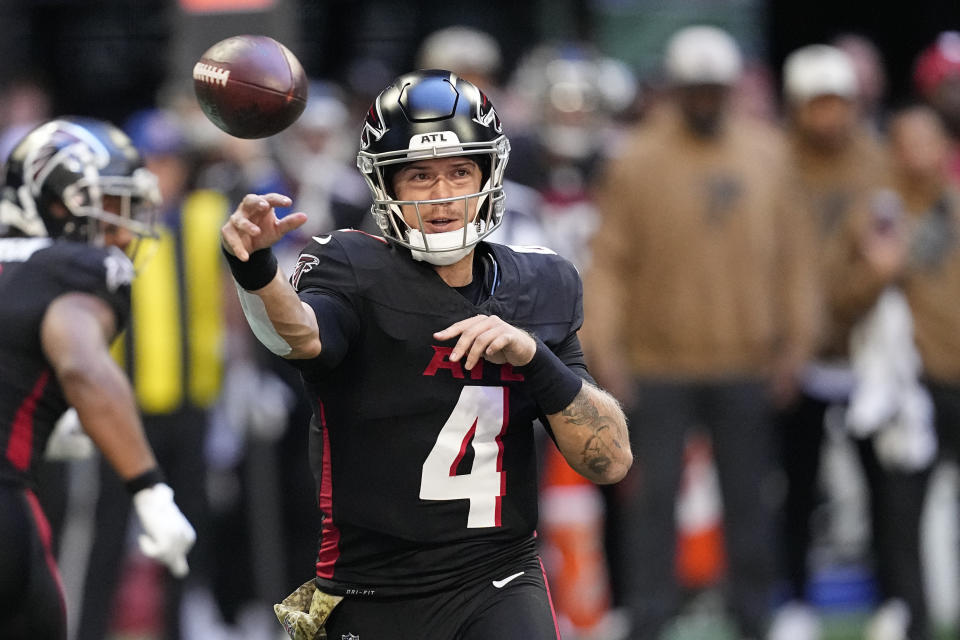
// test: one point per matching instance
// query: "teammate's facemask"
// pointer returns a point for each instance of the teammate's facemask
(58, 175)
(434, 114)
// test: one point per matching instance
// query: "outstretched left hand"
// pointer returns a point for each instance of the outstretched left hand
(490, 338)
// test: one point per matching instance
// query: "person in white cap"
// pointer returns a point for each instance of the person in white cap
(841, 169)
(699, 285)
(702, 64)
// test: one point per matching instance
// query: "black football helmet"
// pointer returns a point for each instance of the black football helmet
(433, 114)
(75, 162)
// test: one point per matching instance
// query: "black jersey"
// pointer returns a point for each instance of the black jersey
(34, 272)
(426, 472)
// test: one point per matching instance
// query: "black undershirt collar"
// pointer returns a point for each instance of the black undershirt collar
(486, 277)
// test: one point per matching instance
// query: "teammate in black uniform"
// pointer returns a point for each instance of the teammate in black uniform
(428, 354)
(75, 196)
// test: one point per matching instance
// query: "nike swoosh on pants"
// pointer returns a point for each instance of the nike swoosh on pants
(500, 584)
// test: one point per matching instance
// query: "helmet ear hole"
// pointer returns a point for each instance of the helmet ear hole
(484, 164)
(56, 213)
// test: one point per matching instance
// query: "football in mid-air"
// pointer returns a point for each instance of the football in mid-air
(250, 86)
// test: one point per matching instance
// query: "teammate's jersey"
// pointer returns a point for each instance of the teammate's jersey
(426, 472)
(33, 273)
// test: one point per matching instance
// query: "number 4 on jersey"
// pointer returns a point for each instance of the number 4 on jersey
(479, 416)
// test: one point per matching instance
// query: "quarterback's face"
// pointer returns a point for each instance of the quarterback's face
(435, 178)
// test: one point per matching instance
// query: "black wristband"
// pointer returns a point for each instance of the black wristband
(145, 480)
(551, 383)
(255, 273)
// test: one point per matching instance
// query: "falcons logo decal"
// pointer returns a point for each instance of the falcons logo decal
(373, 126)
(67, 144)
(486, 114)
(305, 263)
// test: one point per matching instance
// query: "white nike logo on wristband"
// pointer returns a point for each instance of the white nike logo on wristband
(500, 584)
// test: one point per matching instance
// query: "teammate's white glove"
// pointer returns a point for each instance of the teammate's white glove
(67, 440)
(167, 535)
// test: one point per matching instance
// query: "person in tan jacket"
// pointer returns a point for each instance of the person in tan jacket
(921, 148)
(700, 291)
(841, 169)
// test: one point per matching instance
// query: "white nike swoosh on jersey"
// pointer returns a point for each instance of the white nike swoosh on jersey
(500, 584)
(323, 240)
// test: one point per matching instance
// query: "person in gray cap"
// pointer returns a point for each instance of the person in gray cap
(472, 54)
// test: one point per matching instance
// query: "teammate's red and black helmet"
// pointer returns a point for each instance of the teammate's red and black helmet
(433, 114)
(75, 162)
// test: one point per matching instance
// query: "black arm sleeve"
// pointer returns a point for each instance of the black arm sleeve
(337, 322)
(570, 353)
(324, 278)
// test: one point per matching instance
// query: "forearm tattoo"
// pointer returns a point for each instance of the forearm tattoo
(583, 412)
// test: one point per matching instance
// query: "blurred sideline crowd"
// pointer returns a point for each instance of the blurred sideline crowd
(771, 278)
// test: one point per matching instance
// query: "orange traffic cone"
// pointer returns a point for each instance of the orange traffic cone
(572, 541)
(700, 556)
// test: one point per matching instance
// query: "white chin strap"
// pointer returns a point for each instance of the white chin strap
(446, 247)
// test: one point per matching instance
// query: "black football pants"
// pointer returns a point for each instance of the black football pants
(896, 502)
(31, 601)
(736, 414)
(520, 609)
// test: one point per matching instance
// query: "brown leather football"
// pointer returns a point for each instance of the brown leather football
(250, 86)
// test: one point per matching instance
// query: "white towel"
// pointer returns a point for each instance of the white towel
(888, 402)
